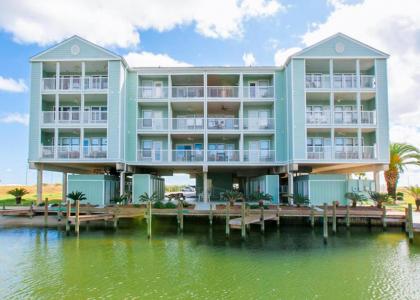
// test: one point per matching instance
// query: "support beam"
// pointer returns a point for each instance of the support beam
(278, 215)
(77, 225)
(39, 185)
(211, 215)
(64, 186)
(262, 219)
(384, 217)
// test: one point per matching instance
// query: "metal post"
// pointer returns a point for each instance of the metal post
(180, 216)
(227, 230)
(325, 220)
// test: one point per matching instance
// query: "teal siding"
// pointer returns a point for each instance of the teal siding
(298, 112)
(99, 189)
(130, 117)
(34, 111)
(382, 109)
(146, 183)
(115, 85)
(280, 115)
(289, 121)
(272, 187)
(327, 191)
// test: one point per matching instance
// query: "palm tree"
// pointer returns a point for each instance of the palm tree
(76, 196)
(354, 198)
(18, 193)
(401, 155)
(379, 198)
(232, 196)
(414, 191)
(145, 197)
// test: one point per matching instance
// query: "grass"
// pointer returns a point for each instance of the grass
(50, 191)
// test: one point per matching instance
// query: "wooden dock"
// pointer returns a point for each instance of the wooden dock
(251, 219)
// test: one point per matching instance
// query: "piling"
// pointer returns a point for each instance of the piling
(149, 219)
(278, 215)
(348, 217)
(243, 231)
(46, 212)
(4, 206)
(211, 215)
(262, 219)
(410, 223)
(68, 213)
(406, 220)
(312, 216)
(180, 216)
(59, 212)
(325, 221)
(384, 217)
(77, 225)
(227, 229)
(334, 218)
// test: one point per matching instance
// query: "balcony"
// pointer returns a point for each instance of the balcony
(318, 117)
(152, 155)
(188, 124)
(152, 124)
(340, 81)
(74, 83)
(317, 81)
(74, 152)
(150, 92)
(74, 117)
(259, 155)
(95, 83)
(258, 92)
(95, 152)
(345, 117)
(368, 117)
(95, 117)
(223, 155)
(223, 123)
(341, 118)
(222, 92)
(187, 155)
(70, 83)
(367, 81)
(256, 124)
(318, 152)
(187, 92)
(49, 84)
(340, 152)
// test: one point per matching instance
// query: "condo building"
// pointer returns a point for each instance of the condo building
(302, 128)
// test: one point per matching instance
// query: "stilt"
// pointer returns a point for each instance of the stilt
(410, 223)
(325, 220)
(334, 218)
(227, 229)
(64, 190)
(278, 215)
(348, 217)
(180, 216)
(384, 218)
(68, 214)
(312, 216)
(243, 231)
(115, 222)
(77, 217)
(46, 212)
(59, 213)
(406, 220)
(262, 219)
(149, 219)
(39, 185)
(211, 215)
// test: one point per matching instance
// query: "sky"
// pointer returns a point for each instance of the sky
(202, 32)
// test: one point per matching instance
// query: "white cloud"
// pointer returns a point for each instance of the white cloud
(281, 55)
(12, 85)
(148, 59)
(249, 59)
(15, 118)
(116, 23)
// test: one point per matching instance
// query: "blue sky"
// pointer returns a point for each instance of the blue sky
(267, 30)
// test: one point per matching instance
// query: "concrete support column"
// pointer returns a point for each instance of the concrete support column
(205, 187)
(64, 192)
(122, 183)
(290, 189)
(39, 185)
(82, 108)
(376, 177)
(206, 140)
(331, 108)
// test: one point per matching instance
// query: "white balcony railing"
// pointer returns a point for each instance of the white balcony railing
(47, 152)
(369, 152)
(150, 92)
(345, 117)
(223, 155)
(346, 152)
(187, 92)
(95, 152)
(367, 81)
(318, 117)
(258, 92)
(70, 83)
(188, 123)
(68, 152)
(318, 152)
(69, 117)
(223, 123)
(49, 84)
(96, 83)
(95, 117)
(187, 155)
(259, 155)
(368, 117)
(73, 117)
(258, 123)
(152, 155)
(48, 117)
(345, 81)
(317, 81)
(222, 91)
(152, 124)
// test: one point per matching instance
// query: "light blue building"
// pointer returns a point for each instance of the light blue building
(320, 117)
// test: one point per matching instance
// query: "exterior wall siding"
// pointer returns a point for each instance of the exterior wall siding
(382, 109)
(114, 114)
(298, 111)
(35, 111)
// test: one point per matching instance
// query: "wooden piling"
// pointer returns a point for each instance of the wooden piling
(4, 206)
(348, 217)
(149, 219)
(211, 215)
(59, 213)
(406, 220)
(278, 215)
(180, 216)
(46, 212)
(115, 222)
(68, 214)
(410, 223)
(312, 216)
(384, 217)
(334, 217)
(262, 219)
(227, 229)
(77, 225)
(325, 221)
(243, 231)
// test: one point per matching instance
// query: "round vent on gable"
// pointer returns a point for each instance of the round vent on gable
(75, 49)
(339, 47)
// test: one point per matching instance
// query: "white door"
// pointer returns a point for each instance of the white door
(263, 119)
(252, 86)
(253, 151)
(158, 89)
(263, 91)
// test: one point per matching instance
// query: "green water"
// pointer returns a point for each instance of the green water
(292, 263)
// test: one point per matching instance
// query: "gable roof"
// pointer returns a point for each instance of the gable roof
(356, 50)
(87, 50)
